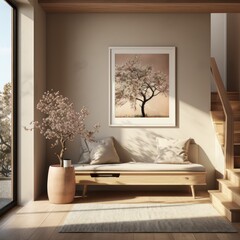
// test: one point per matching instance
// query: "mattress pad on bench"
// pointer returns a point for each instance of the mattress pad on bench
(137, 166)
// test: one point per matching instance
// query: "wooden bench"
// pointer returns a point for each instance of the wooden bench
(97, 175)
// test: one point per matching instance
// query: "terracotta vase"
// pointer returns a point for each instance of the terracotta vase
(61, 184)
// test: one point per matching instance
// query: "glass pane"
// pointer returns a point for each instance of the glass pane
(6, 194)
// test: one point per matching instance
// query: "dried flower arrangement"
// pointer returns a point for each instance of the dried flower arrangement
(61, 122)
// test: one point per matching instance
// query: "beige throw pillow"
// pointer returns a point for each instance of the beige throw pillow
(103, 151)
(172, 150)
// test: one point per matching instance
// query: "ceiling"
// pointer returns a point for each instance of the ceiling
(141, 6)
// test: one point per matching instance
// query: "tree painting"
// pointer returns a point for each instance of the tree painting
(5, 131)
(139, 81)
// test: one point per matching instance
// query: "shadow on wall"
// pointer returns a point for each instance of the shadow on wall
(210, 169)
(142, 147)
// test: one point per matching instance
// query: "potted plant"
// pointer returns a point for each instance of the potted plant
(61, 123)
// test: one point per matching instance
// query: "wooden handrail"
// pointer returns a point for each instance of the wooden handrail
(229, 119)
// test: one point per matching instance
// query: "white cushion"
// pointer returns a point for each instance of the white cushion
(172, 150)
(85, 158)
(133, 166)
(103, 151)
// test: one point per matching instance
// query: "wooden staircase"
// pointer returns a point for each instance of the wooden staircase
(219, 122)
(227, 199)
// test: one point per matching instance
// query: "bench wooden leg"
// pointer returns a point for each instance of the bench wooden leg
(84, 190)
(193, 191)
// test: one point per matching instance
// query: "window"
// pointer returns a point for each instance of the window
(8, 109)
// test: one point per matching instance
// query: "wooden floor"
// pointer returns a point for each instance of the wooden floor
(40, 219)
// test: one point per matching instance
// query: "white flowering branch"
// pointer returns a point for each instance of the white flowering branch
(61, 122)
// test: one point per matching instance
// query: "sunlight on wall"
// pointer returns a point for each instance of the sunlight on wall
(26, 103)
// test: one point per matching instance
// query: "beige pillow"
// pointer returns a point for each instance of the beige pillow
(84, 152)
(172, 150)
(103, 151)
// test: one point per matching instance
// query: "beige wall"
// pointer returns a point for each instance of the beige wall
(31, 84)
(40, 163)
(77, 65)
(233, 56)
(219, 44)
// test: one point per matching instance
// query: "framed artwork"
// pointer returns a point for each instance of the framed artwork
(142, 86)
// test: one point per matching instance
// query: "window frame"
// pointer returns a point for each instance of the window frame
(14, 176)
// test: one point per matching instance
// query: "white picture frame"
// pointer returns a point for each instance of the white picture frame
(138, 74)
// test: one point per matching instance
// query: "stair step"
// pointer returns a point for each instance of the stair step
(232, 96)
(235, 105)
(218, 116)
(236, 149)
(225, 207)
(234, 176)
(237, 126)
(217, 106)
(221, 138)
(230, 190)
(237, 162)
(219, 127)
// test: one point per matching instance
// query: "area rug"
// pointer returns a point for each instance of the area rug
(90, 217)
